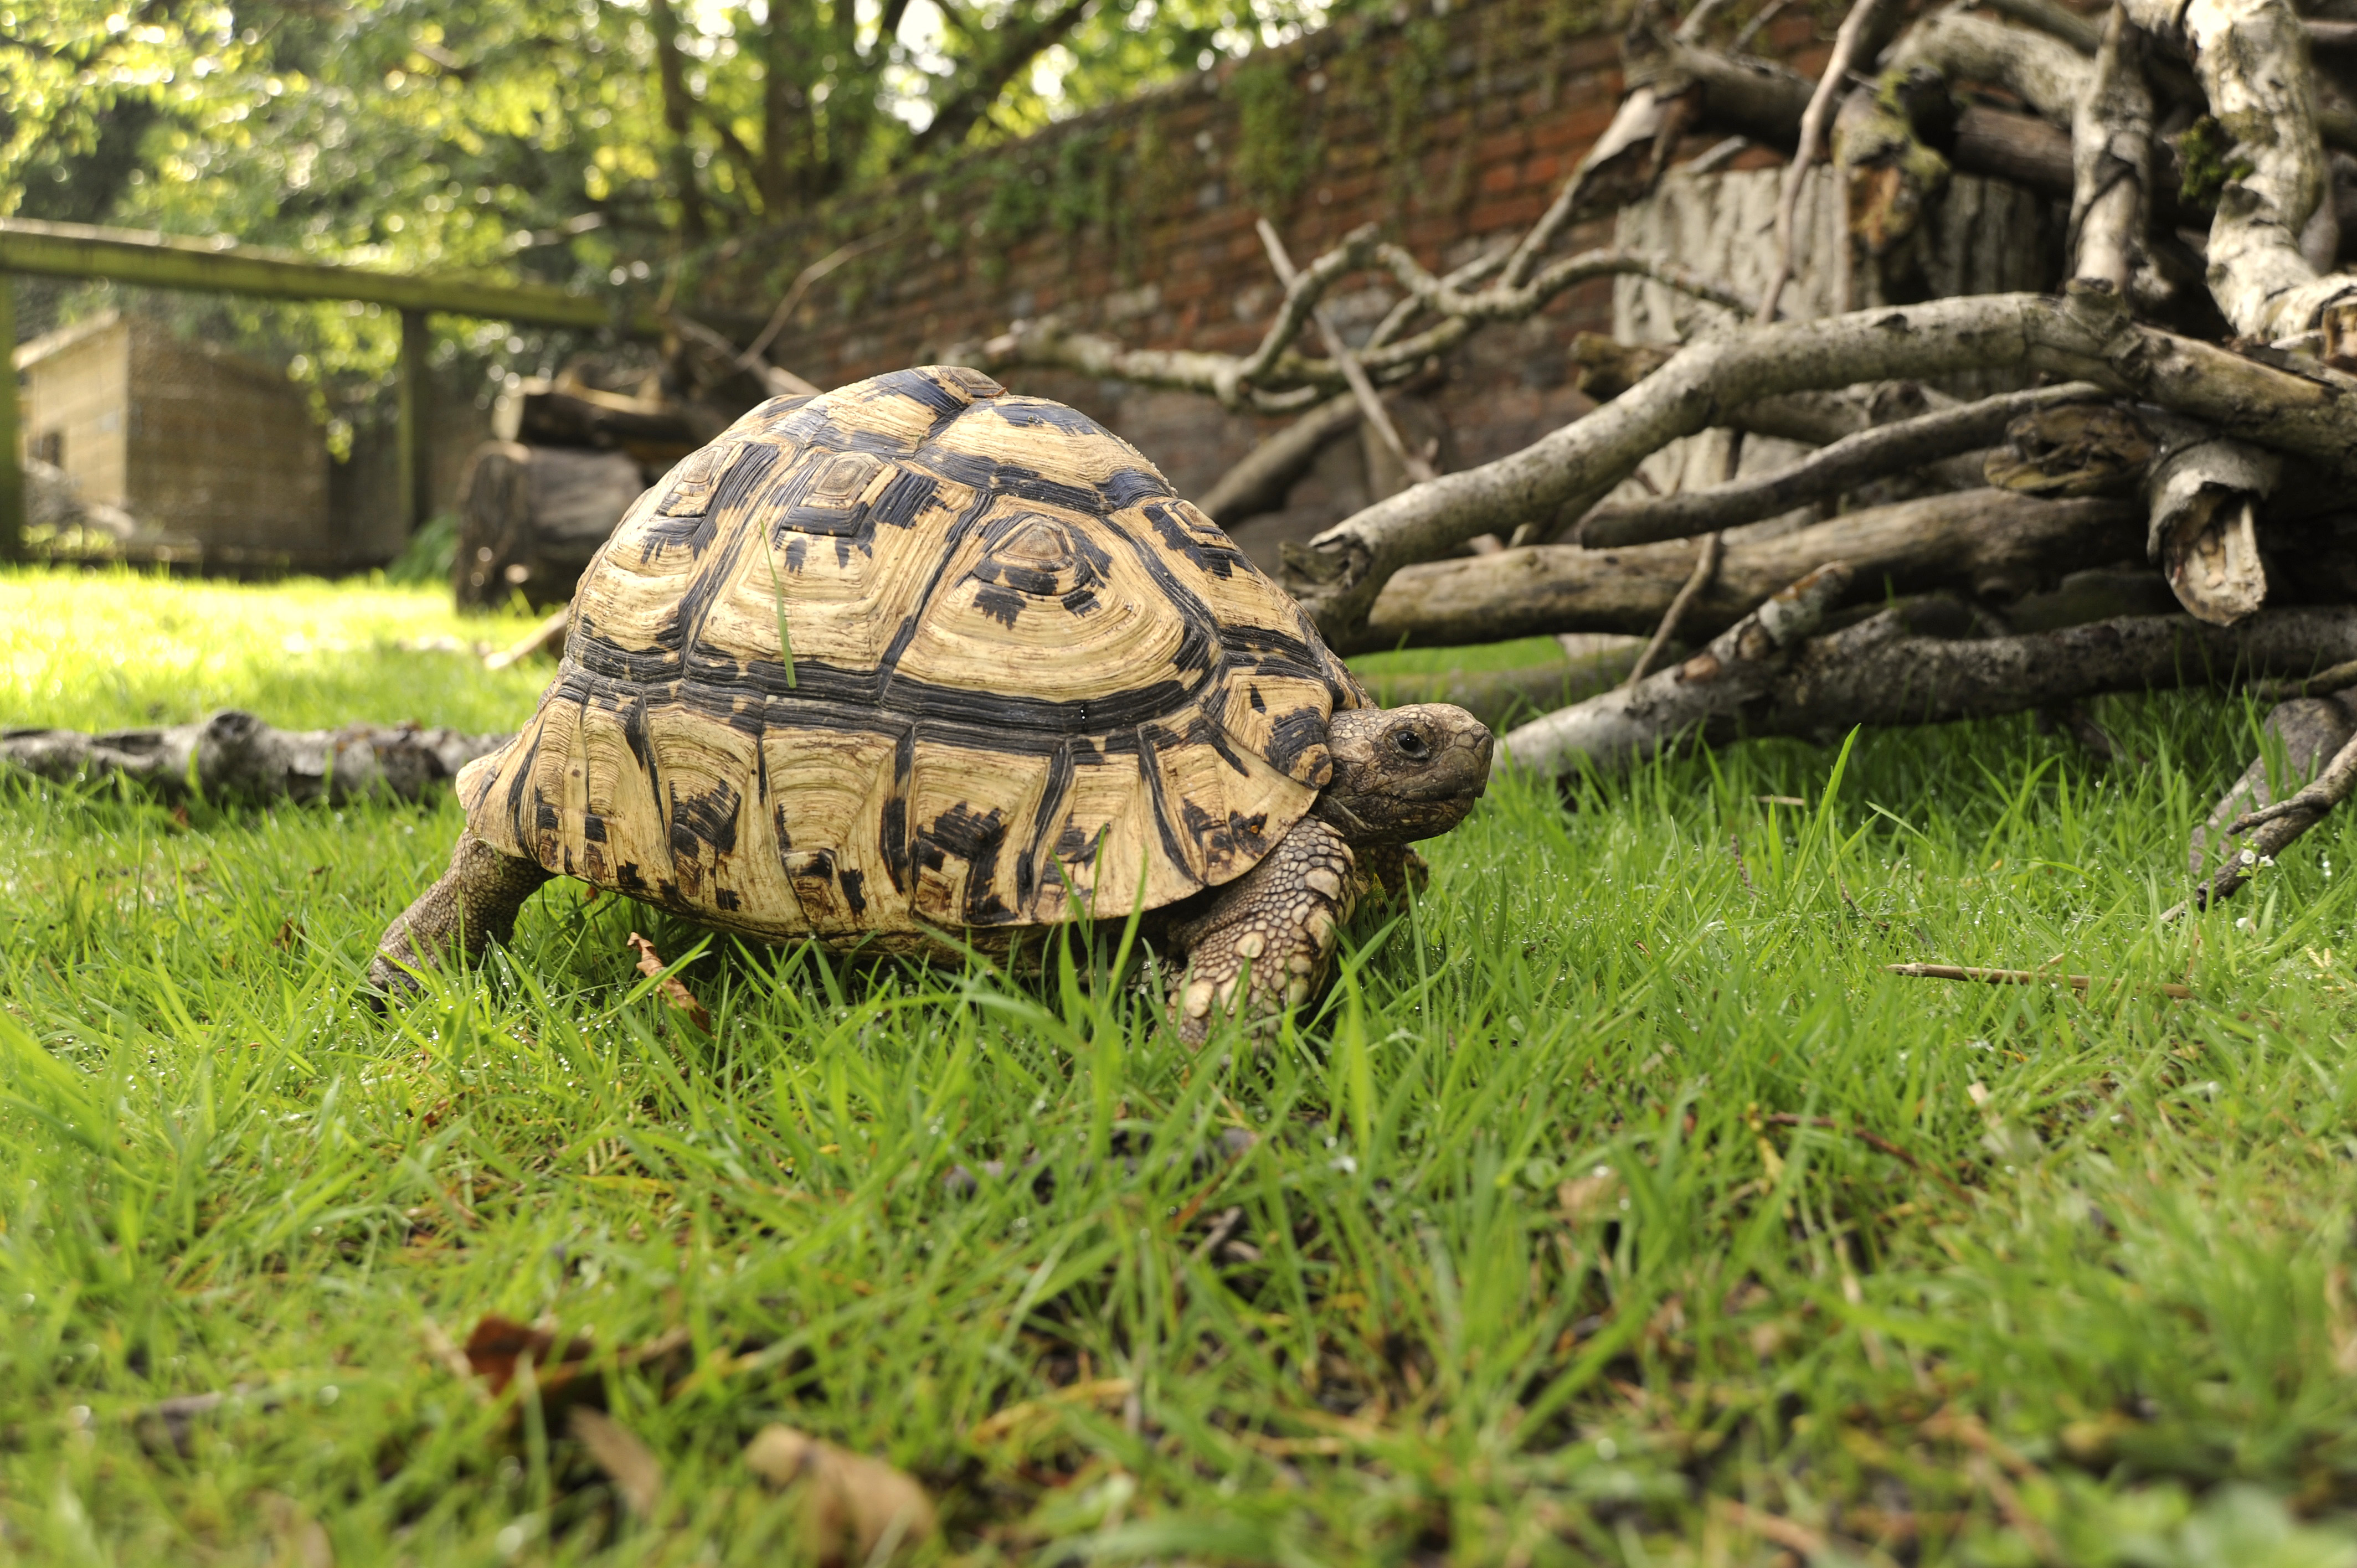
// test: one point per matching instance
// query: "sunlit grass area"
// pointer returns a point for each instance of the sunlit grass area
(103, 650)
(1620, 1207)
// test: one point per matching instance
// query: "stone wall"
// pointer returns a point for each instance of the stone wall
(1450, 127)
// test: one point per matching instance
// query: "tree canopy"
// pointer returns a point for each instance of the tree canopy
(601, 142)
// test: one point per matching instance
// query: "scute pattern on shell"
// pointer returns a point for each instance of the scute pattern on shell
(1020, 669)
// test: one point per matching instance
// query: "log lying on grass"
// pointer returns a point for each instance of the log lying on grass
(1886, 671)
(1983, 541)
(234, 756)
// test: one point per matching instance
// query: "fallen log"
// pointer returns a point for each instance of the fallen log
(1987, 542)
(234, 756)
(1885, 671)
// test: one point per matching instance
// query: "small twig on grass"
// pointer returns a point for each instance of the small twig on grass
(650, 964)
(1734, 848)
(1714, 546)
(1874, 1140)
(1793, 1535)
(2079, 983)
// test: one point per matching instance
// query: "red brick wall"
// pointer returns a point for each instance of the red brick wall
(1447, 130)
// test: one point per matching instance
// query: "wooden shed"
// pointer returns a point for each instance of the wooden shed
(214, 455)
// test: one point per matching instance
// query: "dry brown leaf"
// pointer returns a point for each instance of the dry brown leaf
(1587, 1198)
(498, 1343)
(852, 1505)
(629, 1464)
(650, 964)
(302, 1540)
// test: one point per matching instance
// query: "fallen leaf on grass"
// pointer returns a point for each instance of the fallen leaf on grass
(629, 1464)
(302, 1540)
(498, 1344)
(650, 964)
(1587, 1197)
(852, 1507)
(495, 1350)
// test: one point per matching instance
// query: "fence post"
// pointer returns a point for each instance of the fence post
(12, 468)
(415, 483)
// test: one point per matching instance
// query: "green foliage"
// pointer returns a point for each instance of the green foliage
(428, 556)
(634, 148)
(1570, 1223)
(1276, 153)
(2204, 152)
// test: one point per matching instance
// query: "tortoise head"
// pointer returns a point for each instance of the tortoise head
(1404, 774)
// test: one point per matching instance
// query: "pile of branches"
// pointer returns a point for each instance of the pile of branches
(2189, 424)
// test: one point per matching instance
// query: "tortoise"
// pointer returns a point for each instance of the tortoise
(924, 664)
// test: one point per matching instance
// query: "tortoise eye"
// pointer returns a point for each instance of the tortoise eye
(1410, 746)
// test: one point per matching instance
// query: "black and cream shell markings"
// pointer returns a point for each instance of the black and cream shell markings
(1019, 681)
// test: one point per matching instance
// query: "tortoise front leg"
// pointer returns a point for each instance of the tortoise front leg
(1278, 921)
(473, 905)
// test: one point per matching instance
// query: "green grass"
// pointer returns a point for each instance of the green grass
(1566, 1238)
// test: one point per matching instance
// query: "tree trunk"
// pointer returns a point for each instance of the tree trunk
(531, 516)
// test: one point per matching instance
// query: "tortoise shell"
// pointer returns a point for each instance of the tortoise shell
(917, 654)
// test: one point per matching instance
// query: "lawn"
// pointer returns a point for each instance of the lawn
(1620, 1207)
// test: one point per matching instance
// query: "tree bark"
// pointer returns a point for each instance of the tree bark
(1983, 541)
(233, 756)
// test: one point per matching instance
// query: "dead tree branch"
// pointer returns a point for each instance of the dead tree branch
(1274, 380)
(2257, 837)
(1847, 42)
(1871, 453)
(1714, 547)
(1981, 540)
(1363, 391)
(1259, 482)
(2111, 157)
(233, 756)
(2310, 730)
(2274, 234)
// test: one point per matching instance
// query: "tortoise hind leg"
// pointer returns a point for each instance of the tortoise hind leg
(473, 905)
(1278, 921)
